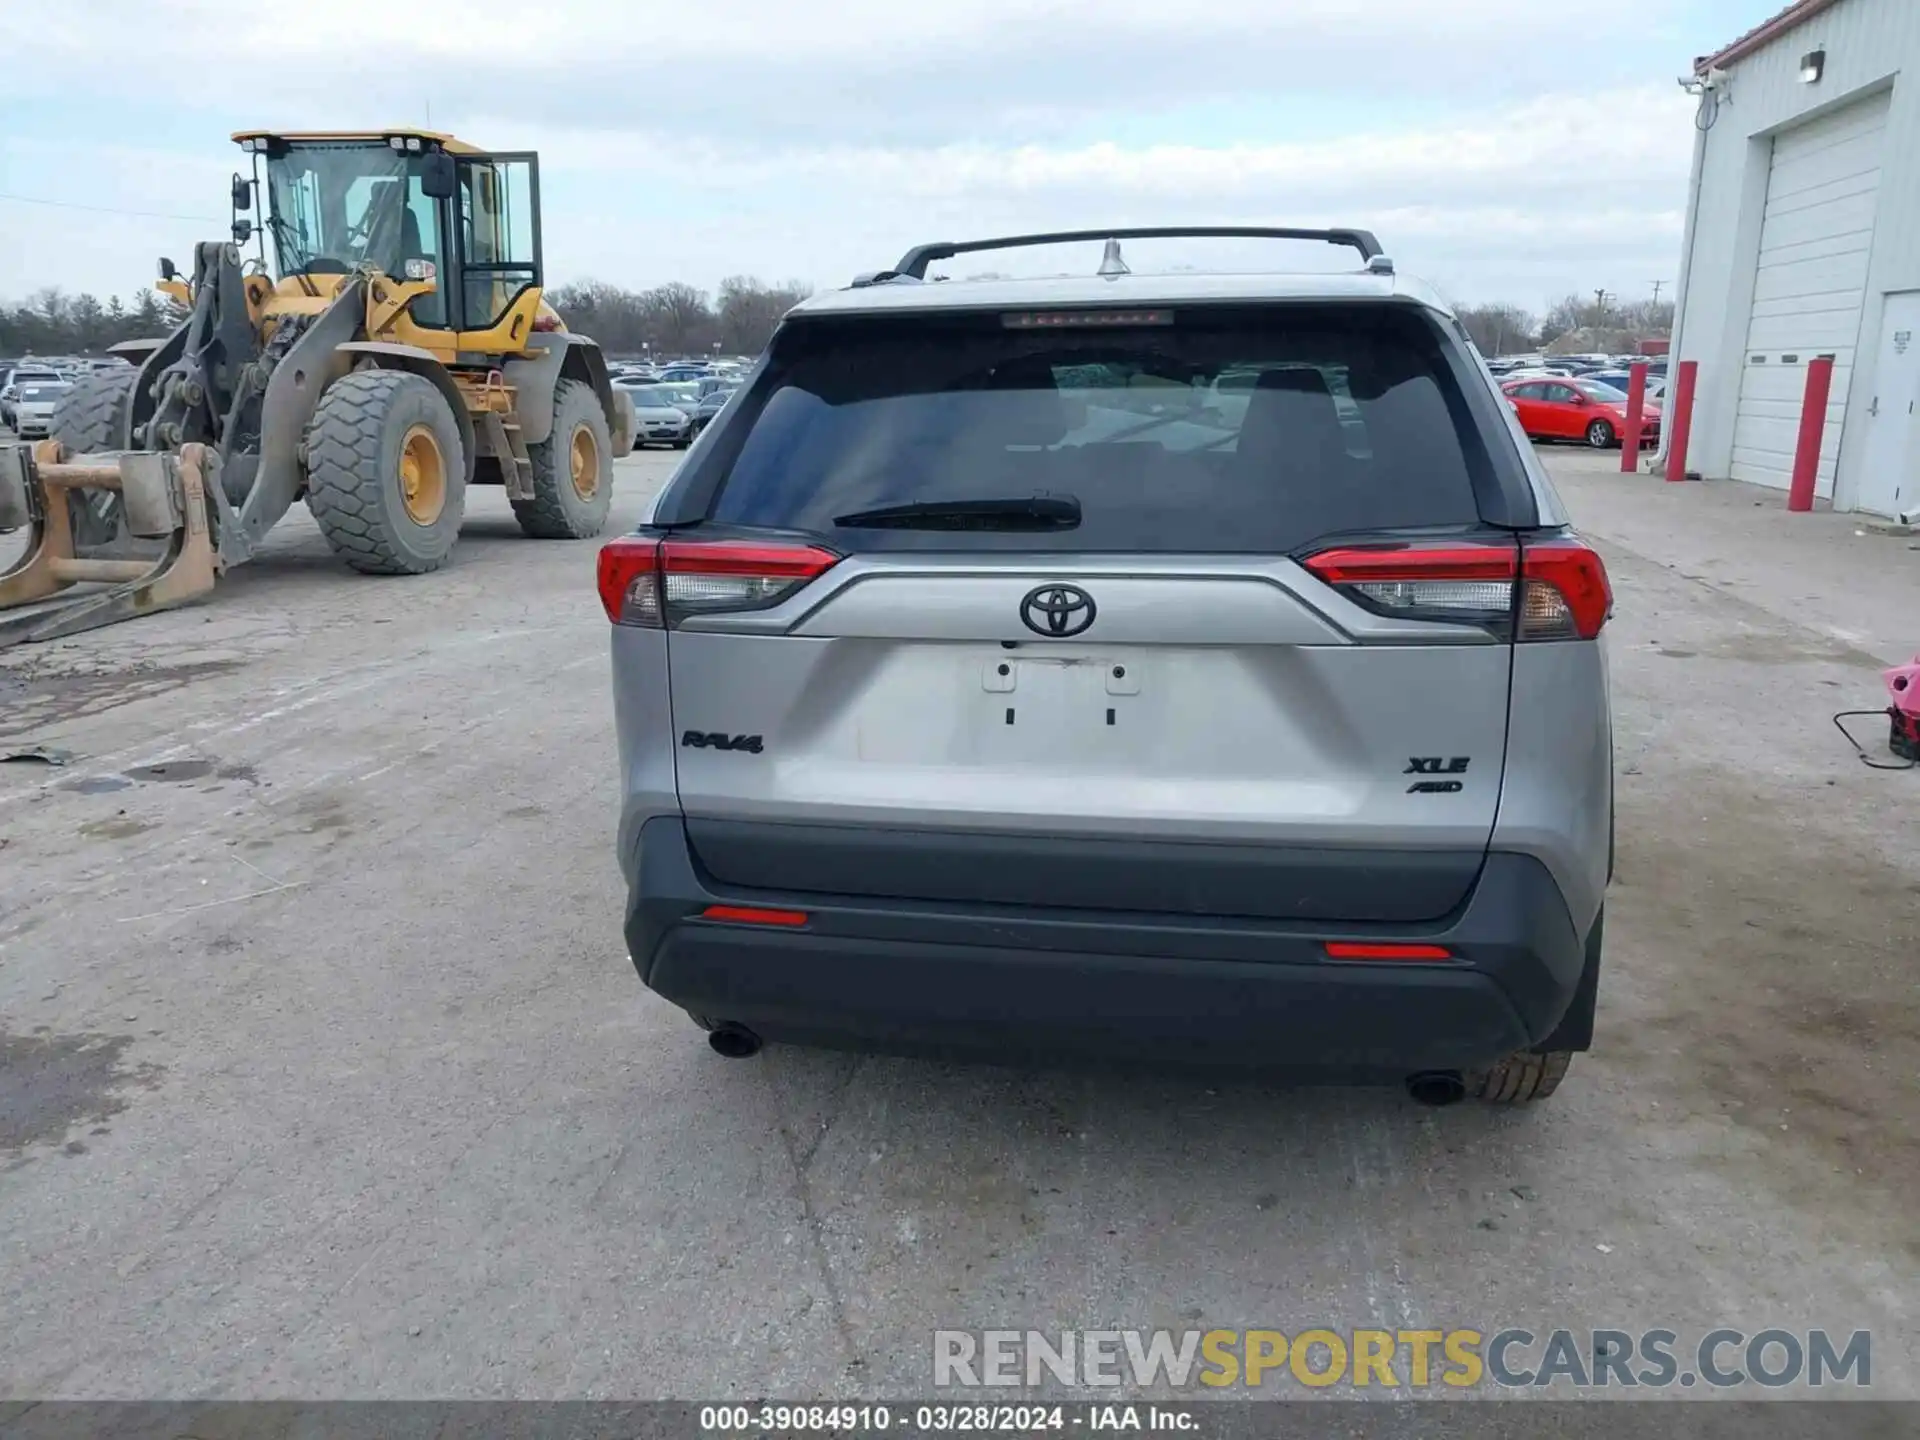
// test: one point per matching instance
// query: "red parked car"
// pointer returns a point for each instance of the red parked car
(1575, 409)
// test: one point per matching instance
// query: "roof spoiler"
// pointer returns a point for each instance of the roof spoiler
(913, 265)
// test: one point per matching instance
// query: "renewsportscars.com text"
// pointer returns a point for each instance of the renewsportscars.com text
(1511, 1358)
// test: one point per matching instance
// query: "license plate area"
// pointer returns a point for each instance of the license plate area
(1044, 702)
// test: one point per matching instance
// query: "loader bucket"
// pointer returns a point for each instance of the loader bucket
(162, 497)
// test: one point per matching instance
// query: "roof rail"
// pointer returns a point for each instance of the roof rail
(914, 263)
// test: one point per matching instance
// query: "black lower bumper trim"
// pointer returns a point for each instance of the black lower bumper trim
(1180, 989)
(1187, 878)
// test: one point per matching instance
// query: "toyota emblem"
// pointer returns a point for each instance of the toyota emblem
(1057, 611)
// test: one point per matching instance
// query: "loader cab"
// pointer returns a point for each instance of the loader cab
(413, 205)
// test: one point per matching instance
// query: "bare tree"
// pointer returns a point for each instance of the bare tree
(1572, 312)
(676, 318)
(1654, 317)
(1614, 323)
(1498, 329)
(746, 311)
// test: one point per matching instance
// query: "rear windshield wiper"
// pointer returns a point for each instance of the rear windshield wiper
(1020, 512)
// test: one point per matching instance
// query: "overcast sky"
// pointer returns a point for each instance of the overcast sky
(1501, 150)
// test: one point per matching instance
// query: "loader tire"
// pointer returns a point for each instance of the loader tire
(572, 470)
(386, 474)
(92, 416)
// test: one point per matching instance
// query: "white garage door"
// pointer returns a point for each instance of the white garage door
(1815, 243)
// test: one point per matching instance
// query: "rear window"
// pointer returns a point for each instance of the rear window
(1243, 433)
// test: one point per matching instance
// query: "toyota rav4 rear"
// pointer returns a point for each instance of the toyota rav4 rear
(1184, 668)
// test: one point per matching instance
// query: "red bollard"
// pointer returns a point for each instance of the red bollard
(1813, 426)
(1680, 418)
(1636, 417)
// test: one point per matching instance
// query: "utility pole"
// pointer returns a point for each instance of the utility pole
(1658, 286)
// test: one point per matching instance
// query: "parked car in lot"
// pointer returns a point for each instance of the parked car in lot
(1577, 409)
(709, 405)
(1621, 379)
(18, 378)
(662, 414)
(33, 407)
(966, 703)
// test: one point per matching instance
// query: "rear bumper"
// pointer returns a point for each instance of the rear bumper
(1019, 981)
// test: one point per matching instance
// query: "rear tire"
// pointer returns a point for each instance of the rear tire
(386, 472)
(93, 416)
(572, 470)
(1600, 434)
(1521, 1078)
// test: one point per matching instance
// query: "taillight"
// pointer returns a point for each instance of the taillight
(1563, 589)
(1567, 594)
(656, 583)
(627, 582)
(1471, 584)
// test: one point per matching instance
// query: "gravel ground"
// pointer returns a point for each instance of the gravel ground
(323, 1071)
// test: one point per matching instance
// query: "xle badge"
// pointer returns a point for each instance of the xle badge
(1436, 765)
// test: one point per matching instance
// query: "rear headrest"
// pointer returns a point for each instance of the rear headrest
(1020, 405)
(1410, 428)
(1292, 416)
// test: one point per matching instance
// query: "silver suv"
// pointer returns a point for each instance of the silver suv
(1179, 667)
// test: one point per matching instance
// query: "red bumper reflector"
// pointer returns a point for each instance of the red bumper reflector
(1355, 950)
(753, 915)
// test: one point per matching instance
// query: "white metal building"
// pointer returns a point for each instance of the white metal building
(1803, 239)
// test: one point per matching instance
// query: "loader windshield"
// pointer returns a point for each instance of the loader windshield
(336, 207)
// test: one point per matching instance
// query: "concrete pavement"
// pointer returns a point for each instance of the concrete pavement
(323, 1071)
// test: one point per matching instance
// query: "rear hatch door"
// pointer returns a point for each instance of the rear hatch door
(1083, 625)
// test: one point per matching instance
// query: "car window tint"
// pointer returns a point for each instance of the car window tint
(1244, 433)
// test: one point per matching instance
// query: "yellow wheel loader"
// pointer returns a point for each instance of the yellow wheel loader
(395, 350)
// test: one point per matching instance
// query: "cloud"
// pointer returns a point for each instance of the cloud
(765, 69)
(1474, 202)
(789, 139)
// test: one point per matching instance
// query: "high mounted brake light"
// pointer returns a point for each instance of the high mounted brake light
(656, 584)
(1563, 589)
(1077, 319)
